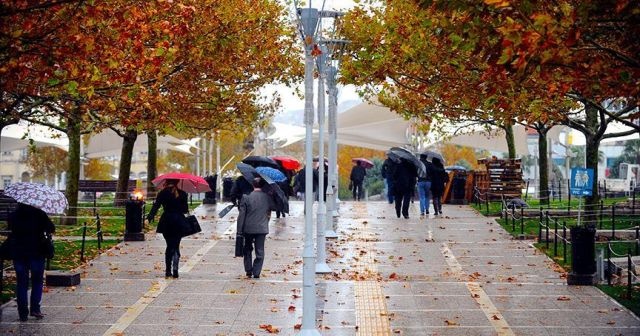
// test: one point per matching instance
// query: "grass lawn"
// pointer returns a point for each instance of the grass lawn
(619, 293)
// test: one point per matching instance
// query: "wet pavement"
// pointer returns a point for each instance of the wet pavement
(458, 274)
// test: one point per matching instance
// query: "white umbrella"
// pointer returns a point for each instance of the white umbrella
(39, 196)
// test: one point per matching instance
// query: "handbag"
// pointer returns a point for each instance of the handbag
(351, 185)
(239, 245)
(191, 226)
(46, 247)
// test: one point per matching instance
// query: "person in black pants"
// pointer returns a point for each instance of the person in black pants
(175, 205)
(358, 173)
(439, 179)
(28, 226)
(404, 182)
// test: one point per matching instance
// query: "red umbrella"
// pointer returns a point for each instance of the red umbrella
(287, 162)
(187, 182)
(363, 162)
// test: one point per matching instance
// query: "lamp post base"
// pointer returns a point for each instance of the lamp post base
(309, 332)
(323, 268)
(574, 279)
(330, 234)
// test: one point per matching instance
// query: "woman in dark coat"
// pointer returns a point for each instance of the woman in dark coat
(175, 205)
(28, 226)
(404, 182)
(439, 179)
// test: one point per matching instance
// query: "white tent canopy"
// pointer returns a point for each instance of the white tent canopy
(19, 136)
(364, 125)
(109, 143)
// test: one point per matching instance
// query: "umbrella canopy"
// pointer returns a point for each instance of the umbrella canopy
(287, 162)
(408, 156)
(247, 171)
(363, 162)
(272, 173)
(431, 154)
(450, 168)
(39, 196)
(260, 161)
(187, 182)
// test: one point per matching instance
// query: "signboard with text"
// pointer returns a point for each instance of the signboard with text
(582, 181)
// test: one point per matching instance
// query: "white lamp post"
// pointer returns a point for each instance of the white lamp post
(335, 48)
(309, 18)
(321, 242)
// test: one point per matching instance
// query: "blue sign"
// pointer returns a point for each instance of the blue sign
(582, 181)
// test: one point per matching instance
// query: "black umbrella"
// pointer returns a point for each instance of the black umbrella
(247, 171)
(271, 188)
(261, 161)
(408, 156)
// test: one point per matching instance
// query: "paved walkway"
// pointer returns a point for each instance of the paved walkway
(460, 274)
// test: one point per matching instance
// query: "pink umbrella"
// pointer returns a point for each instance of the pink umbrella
(363, 162)
(187, 182)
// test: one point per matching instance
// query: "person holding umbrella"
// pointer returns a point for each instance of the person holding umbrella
(358, 173)
(439, 179)
(424, 187)
(174, 202)
(29, 243)
(253, 223)
(404, 183)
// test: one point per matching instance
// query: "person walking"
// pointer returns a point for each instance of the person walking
(424, 187)
(358, 173)
(28, 226)
(240, 188)
(253, 224)
(404, 182)
(439, 179)
(387, 172)
(175, 205)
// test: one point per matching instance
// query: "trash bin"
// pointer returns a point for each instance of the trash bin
(458, 188)
(210, 196)
(133, 220)
(583, 255)
(227, 183)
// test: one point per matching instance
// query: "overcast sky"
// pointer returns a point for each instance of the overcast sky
(345, 93)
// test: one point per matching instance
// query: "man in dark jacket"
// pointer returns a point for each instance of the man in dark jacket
(387, 171)
(253, 223)
(404, 182)
(358, 173)
(424, 187)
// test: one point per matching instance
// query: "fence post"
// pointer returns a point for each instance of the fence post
(629, 287)
(84, 236)
(513, 218)
(1, 276)
(486, 201)
(564, 241)
(540, 226)
(601, 212)
(605, 189)
(633, 202)
(99, 231)
(555, 238)
(521, 220)
(609, 271)
(637, 239)
(547, 229)
(560, 190)
(526, 192)
(613, 221)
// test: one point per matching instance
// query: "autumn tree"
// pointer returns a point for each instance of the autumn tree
(45, 162)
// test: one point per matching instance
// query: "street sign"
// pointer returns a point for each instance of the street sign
(582, 181)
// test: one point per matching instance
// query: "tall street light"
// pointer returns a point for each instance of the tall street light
(335, 48)
(321, 241)
(309, 19)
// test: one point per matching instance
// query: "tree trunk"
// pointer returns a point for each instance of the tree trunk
(152, 162)
(511, 144)
(73, 172)
(591, 161)
(543, 167)
(122, 190)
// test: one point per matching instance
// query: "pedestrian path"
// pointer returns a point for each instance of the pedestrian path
(459, 274)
